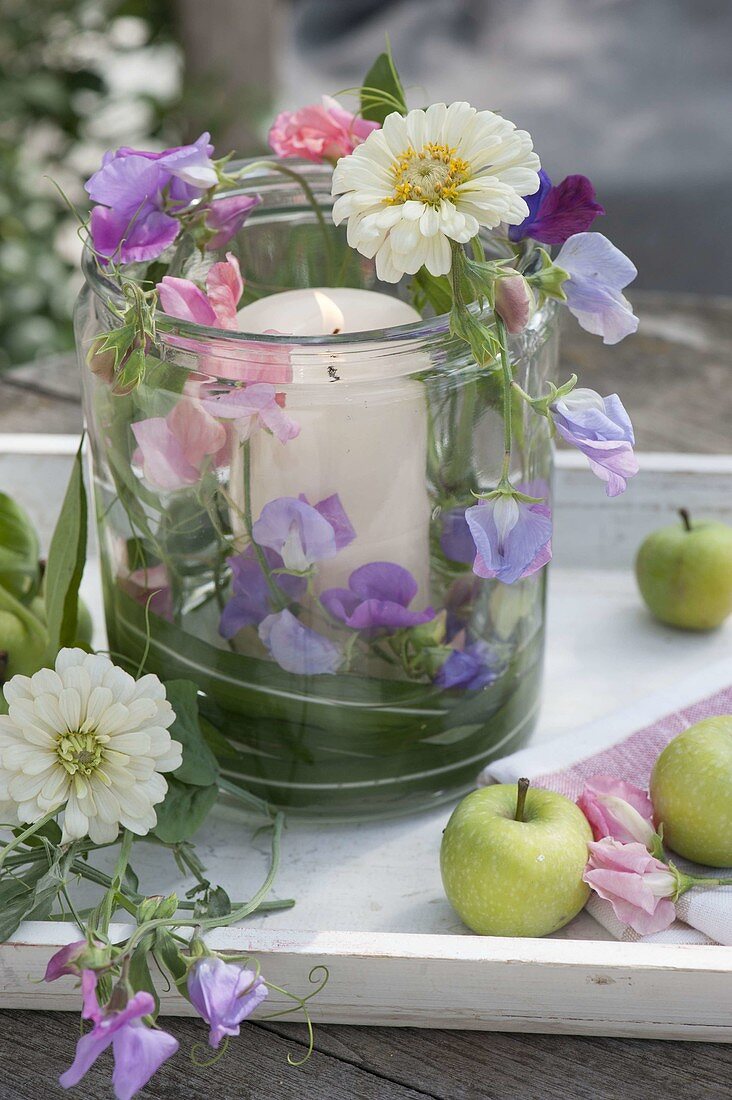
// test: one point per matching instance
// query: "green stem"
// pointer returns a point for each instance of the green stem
(108, 905)
(22, 837)
(278, 596)
(507, 381)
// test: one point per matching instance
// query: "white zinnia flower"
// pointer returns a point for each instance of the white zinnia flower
(429, 177)
(90, 736)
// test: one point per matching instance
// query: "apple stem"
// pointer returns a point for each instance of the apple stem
(685, 518)
(523, 786)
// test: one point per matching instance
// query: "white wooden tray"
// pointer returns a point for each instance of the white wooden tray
(370, 905)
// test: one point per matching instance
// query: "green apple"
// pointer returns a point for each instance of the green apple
(22, 647)
(512, 860)
(691, 792)
(685, 573)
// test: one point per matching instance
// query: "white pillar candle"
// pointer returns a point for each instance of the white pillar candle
(363, 428)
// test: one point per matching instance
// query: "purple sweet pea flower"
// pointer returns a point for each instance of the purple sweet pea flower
(472, 668)
(598, 272)
(600, 428)
(224, 994)
(378, 596)
(139, 1051)
(226, 216)
(303, 533)
(137, 193)
(251, 599)
(455, 540)
(251, 406)
(556, 213)
(65, 961)
(512, 539)
(297, 648)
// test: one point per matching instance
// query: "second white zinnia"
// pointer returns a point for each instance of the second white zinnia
(430, 177)
(92, 737)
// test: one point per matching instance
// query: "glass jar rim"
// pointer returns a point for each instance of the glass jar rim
(408, 334)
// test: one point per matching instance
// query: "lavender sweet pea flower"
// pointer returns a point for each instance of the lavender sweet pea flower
(226, 216)
(139, 1051)
(251, 601)
(137, 193)
(598, 272)
(303, 533)
(600, 428)
(472, 668)
(378, 596)
(512, 539)
(456, 540)
(297, 648)
(556, 213)
(224, 994)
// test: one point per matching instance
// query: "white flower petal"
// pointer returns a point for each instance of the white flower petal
(69, 705)
(135, 743)
(76, 823)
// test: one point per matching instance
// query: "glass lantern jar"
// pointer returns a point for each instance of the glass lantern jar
(281, 520)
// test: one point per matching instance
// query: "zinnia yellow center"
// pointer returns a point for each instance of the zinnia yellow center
(79, 753)
(430, 176)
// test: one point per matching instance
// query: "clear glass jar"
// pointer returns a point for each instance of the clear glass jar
(403, 429)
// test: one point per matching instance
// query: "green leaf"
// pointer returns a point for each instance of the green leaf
(168, 953)
(139, 973)
(35, 899)
(66, 564)
(382, 91)
(184, 810)
(199, 765)
(118, 340)
(19, 549)
(132, 371)
(432, 289)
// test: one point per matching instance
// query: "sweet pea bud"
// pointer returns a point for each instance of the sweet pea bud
(513, 302)
(157, 907)
(625, 815)
(75, 957)
(549, 279)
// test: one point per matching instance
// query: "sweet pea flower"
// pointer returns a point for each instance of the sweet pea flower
(65, 961)
(150, 587)
(558, 212)
(224, 287)
(319, 132)
(456, 540)
(139, 1050)
(600, 428)
(250, 407)
(303, 533)
(473, 667)
(512, 538)
(618, 810)
(297, 648)
(174, 448)
(224, 994)
(226, 216)
(638, 886)
(251, 601)
(598, 272)
(138, 193)
(513, 302)
(377, 597)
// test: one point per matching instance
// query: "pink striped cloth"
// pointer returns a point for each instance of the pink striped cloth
(704, 916)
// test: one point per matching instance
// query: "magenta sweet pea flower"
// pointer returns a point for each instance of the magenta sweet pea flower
(320, 132)
(598, 272)
(303, 533)
(224, 994)
(224, 287)
(173, 449)
(297, 648)
(250, 407)
(225, 217)
(138, 193)
(600, 428)
(556, 213)
(251, 600)
(472, 668)
(378, 597)
(638, 886)
(139, 1050)
(65, 961)
(512, 539)
(618, 810)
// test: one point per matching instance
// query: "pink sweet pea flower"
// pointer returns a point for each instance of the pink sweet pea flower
(226, 216)
(139, 1050)
(224, 287)
(618, 810)
(258, 405)
(513, 302)
(319, 132)
(150, 587)
(65, 961)
(638, 886)
(173, 449)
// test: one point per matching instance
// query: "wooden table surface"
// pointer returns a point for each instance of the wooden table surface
(675, 379)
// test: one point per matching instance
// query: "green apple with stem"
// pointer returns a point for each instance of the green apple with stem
(684, 573)
(512, 860)
(691, 792)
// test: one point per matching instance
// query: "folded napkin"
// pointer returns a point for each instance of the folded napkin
(625, 745)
